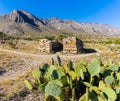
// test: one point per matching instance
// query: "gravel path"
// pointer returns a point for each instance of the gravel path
(33, 60)
(48, 56)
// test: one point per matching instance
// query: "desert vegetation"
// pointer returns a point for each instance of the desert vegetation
(96, 81)
(72, 70)
(15, 68)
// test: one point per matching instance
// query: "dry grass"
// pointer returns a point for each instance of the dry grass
(13, 86)
(6, 58)
(24, 46)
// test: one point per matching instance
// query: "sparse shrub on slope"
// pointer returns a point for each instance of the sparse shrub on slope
(78, 82)
(2, 37)
(13, 43)
(113, 41)
(10, 40)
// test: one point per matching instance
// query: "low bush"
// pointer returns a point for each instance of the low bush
(113, 41)
(13, 43)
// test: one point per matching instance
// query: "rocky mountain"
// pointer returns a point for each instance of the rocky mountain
(88, 28)
(21, 22)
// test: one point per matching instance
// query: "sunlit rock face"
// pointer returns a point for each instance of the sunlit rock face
(21, 22)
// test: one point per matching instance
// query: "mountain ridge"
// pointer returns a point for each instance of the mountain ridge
(21, 22)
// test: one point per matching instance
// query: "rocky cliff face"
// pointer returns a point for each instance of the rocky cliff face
(88, 28)
(24, 17)
(21, 22)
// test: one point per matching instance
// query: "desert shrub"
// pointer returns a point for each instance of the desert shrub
(113, 41)
(49, 37)
(2, 37)
(96, 81)
(29, 39)
(13, 43)
(11, 40)
(60, 37)
(109, 42)
(117, 41)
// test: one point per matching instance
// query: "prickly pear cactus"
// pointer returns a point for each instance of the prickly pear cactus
(53, 62)
(80, 81)
(109, 80)
(101, 85)
(72, 74)
(51, 69)
(94, 67)
(114, 67)
(58, 60)
(83, 62)
(81, 74)
(111, 95)
(70, 65)
(53, 89)
(118, 76)
(87, 84)
(36, 74)
(28, 84)
(44, 68)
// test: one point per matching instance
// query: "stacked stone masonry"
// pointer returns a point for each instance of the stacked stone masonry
(45, 46)
(70, 45)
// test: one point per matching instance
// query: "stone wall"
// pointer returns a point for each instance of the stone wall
(45, 46)
(72, 45)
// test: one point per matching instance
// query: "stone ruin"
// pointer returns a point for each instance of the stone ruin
(47, 46)
(70, 45)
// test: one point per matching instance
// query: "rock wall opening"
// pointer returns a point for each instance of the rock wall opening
(56, 47)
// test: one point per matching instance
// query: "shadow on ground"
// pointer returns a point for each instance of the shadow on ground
(88, 50)
(2, 71)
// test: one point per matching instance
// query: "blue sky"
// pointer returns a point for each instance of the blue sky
(98, 11)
